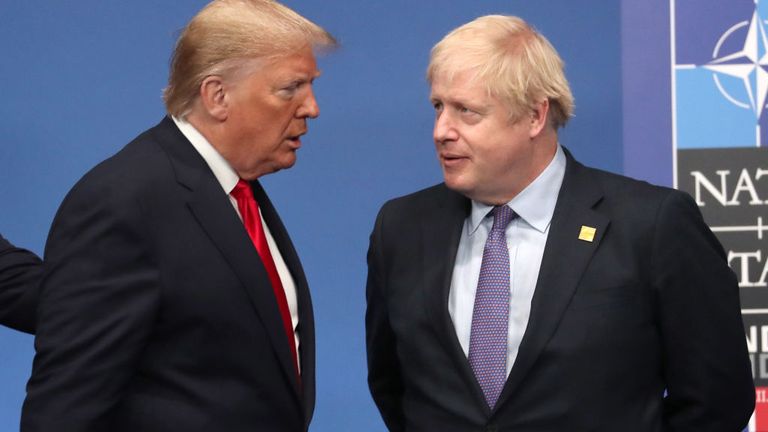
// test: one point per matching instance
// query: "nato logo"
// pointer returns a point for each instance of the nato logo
(719, 53)
(720, 73)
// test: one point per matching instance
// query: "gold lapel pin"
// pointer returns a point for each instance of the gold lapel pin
(587, 233)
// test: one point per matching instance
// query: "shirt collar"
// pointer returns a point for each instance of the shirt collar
(223, 172)
(536, 203)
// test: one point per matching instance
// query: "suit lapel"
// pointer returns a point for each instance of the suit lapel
(212, 209)
(306, 316)
(441, 237)
(564, 261)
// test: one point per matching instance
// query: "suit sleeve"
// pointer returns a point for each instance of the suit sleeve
(20, 272)
(384, 379)
(98, 300)
(706, 367)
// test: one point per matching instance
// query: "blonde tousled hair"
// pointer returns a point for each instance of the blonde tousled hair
(511, 59)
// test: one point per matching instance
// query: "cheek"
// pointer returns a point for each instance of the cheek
(489, 156)
(280, 121)
(272, 128)
(284, 111)
(250, 121)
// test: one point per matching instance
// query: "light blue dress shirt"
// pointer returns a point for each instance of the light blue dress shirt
(526, 239)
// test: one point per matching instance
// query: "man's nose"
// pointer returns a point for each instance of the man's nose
(309, 108)
(444, 128)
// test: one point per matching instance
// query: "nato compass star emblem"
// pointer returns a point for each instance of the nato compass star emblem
(738, 65)
(747, 64)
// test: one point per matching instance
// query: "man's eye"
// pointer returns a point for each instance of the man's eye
(438, 106)
(290, 89)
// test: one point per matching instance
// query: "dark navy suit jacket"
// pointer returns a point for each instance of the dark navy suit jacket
(156, 313)
(649, 304)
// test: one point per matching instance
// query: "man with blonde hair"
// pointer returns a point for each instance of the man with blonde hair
(531, 293)
(173, 298)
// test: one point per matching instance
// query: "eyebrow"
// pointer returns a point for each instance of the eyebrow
(303, 77)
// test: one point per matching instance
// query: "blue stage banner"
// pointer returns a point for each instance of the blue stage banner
(719, 81)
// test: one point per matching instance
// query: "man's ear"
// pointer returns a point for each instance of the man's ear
(213, 97)
(539, 117)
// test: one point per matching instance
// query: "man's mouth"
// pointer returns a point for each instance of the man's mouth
(295, 139)
(451, 159)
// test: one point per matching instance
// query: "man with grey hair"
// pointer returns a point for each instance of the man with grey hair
(173, 298)
(531, 293)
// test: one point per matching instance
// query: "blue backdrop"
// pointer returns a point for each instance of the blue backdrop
(81, 79)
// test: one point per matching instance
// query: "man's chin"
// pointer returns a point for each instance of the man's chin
(456, 185)
(287, 162)
(290, 161)
(268, 169)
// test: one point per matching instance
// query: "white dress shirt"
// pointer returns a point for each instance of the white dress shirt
(228, 179)
(526, 239)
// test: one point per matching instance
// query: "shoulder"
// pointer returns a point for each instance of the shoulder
(140, 166)
(135, 177)
(4, 244)
(435, 203)
(632, 196)
(614, 184)
(431, 199)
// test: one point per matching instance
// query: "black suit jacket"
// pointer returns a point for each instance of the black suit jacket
(650, 304)
(156, 313)
(20, 272)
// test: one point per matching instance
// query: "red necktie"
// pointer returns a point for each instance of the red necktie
(249, 210)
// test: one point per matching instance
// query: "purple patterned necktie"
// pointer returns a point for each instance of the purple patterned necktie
(490, 317)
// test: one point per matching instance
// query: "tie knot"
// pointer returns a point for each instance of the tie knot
(242, 190)
(502, 216)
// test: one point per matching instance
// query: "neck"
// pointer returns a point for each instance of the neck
(526, 171)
